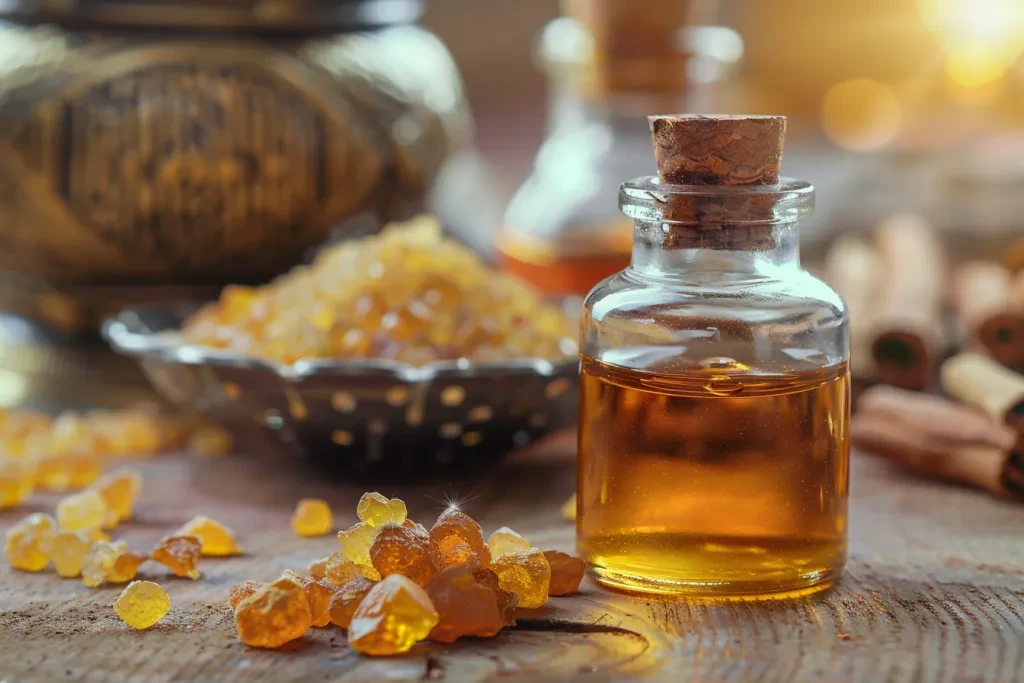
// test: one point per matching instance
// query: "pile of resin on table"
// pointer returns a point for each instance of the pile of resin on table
(407, 294)
(69, 453)
(393, 583)
(77, 540)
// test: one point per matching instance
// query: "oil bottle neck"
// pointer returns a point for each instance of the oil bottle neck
(660, 251)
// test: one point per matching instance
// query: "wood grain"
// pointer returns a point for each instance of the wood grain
(934, 591)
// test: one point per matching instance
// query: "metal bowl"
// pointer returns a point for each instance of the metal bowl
(357, 415)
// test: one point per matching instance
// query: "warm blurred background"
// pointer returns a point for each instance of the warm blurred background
(360, 231)
(159, 151)
(872, 89)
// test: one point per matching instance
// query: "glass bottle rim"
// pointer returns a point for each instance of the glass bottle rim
(645, 198)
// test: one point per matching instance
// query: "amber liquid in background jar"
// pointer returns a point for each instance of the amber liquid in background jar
(714, 404)
(559, 271)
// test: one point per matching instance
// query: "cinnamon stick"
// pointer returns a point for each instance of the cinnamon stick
(908, 335)
(981, 382)
(1013, 258)
(1017, 292)
(695, 150)
(981, 296)
(939, 438)
(853, 267)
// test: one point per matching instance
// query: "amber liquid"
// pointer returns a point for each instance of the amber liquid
(713, 481)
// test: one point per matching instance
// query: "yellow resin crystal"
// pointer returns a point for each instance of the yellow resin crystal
(60, 468)
(312, 517)
(395, 615)
(319, 595)
(180, 554)
(377, 510)
(318, 568)
(85, 511)
(505, 541)
(28, 543)
(17, 481)
(125, 568)
(142, 604)
(119, 489)
(407, 294)
(340, 570)
(274, 615)
(525, 573)
(110, 562)
(99, 562)
(347, 598)
(355, 546)
(68, 552)
(217, 540)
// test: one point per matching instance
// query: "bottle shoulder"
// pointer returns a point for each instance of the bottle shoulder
(627, 294)
(790, 323)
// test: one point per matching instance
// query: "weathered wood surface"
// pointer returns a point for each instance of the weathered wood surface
(934, 591)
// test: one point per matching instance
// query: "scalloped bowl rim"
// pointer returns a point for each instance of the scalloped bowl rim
(166, 346)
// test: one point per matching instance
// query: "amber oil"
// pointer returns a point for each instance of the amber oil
(710, 479)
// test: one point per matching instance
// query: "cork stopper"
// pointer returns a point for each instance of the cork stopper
(719, 150)
(692, 149)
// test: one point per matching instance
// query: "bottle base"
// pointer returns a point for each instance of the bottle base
(713, 566)
(797, 586)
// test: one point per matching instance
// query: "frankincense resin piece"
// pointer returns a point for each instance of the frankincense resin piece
(17, 481)
(465, 606)
(109, 562)
(377, 510)
(240, 591)
(504, 541)
(180, 554)
(525, 573)
(216, 540)
(566, 572)
(318, 568)
(28, 543)
(312, 518)
(395, 615)
(403, 550)
(347, 598)
(415, 525)
(68, 552)
(319, 594)
(119, 490)
(62, 469)
(507, 600)
(85, 511)
(456, 540)
(355, 543)
(142, 604)
(340, 570)
(126, 567)
(275, 614)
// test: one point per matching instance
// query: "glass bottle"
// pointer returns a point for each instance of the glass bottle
(606, 62)
(715, 400)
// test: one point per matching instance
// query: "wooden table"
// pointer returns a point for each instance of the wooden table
(934, 591)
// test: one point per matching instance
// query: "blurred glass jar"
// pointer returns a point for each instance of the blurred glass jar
(162, 150)
(609, 64)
